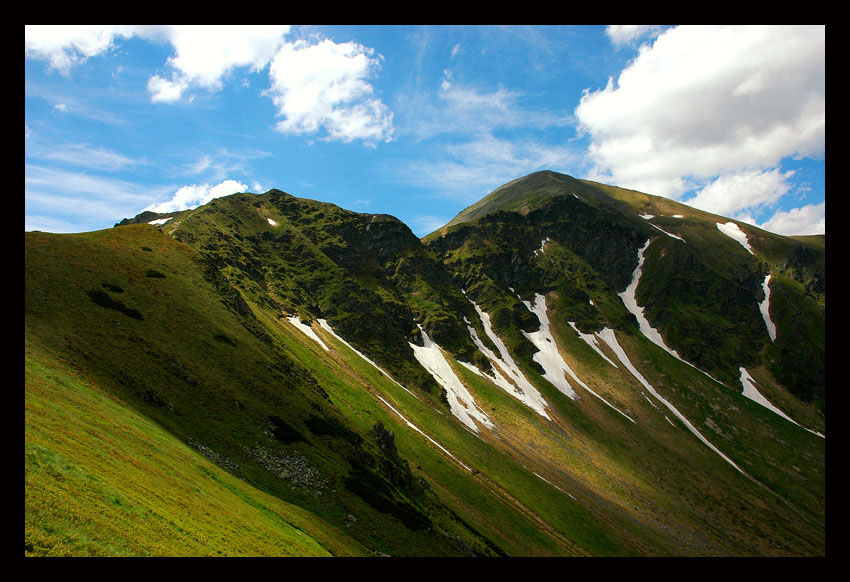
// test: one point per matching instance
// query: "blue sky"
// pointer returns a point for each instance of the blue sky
(420, 122)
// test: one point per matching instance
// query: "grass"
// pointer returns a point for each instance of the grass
(210, 370)
(102, 480)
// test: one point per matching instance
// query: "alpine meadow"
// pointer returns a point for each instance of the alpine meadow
(599, 355)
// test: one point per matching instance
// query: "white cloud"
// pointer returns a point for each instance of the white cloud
(164, 91)
(704, 100)
(63, 46)
(810, 219)
(732, 193)
(325, 86)
(621, 34)
(205, 54)
(196, 195)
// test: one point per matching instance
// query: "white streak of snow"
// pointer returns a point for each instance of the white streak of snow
(764, 307)
(630, 301)
(667, 233)
(324, 324)
(550, 358)
(272, 222)
(417, 429)
(751, 392)
(677, 216)
(550, 483)
(732, 230)
(523, 390)
(608, 336)
(591, 340)
(159, 221)
(647, 216)
(461, 402)
(308, 331)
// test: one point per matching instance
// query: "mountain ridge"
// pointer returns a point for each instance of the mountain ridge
(494, 388)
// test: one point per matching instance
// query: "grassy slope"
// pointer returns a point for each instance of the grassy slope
(624, 505)
(695, 482)
(103, 480)
(191, 366)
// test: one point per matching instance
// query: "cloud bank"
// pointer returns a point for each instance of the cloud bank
(710, 108)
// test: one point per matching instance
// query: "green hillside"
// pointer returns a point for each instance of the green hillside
(208, 376)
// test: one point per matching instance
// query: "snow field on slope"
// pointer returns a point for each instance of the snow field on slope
(549, 357)
(751, 392)
(630, 301)
(461, 402)
(324, 324)
(542, 244)
(159, 221)
(764, 307)
(308, 331)
(607, 335)
(519, 387)
(591, 340)
(733, 231)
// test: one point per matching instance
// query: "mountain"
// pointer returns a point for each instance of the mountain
(565, 368)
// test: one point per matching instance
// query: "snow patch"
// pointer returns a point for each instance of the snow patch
(308, 331)
(609, 338)
(272, 222)
(732, 230)
(764, 307)
(550, 358)
(630, 301)
(677, 216)
(461, 403)
(548, 355)
(324, 325)
(519, 387)
(667, 233)
(591, 340)
(646, 216)
(542, 244)
(751, 392)
(159, 221)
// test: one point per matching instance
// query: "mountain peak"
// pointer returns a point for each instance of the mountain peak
(520, 195)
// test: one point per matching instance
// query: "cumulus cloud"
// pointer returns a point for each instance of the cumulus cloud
(732, 193)
(321, 89)
(324, 87)
(705, 100)
(204, 55)
(64, 46)
(196, 195)
(810, 219)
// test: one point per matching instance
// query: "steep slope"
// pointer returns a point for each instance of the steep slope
(700, 286)
(128, 315)
(500, 390)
